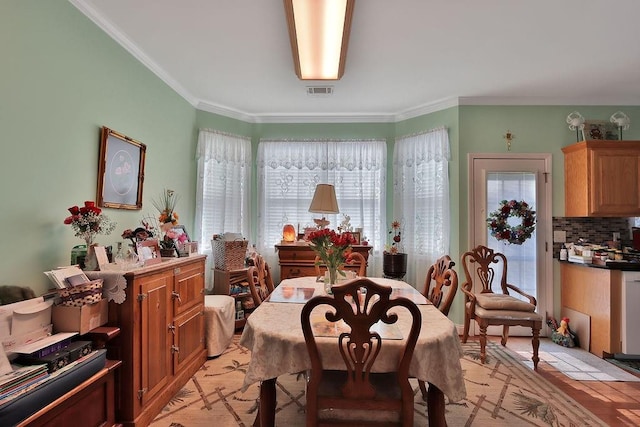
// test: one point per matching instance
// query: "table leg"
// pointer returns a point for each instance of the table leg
(266, 416)
(435, 406)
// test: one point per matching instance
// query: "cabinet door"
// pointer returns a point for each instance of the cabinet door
(156, 339)
(188, 287)
(615, 189)
(188, 340)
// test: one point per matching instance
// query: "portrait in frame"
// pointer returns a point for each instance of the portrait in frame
(120, 171)
(148, 251)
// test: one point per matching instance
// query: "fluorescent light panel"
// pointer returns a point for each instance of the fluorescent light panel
(319, 34)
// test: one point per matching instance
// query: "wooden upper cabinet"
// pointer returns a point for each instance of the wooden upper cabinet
(602, 179)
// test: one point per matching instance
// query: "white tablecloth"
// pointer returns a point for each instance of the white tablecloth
(273, 334)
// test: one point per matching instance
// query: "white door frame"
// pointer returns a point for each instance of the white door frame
(544, 228)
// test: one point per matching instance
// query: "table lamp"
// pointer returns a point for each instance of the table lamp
(324, 201)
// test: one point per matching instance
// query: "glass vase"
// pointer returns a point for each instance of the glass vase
(333, 279)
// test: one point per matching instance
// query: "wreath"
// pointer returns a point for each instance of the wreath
(501, 229)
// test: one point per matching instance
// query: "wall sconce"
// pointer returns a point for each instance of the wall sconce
(576, 122)
(509, 136)
(324, 202)
(621, 120)
(319, 35)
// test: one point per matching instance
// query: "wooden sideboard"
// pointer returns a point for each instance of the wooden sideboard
(298, 259)
(161, 340)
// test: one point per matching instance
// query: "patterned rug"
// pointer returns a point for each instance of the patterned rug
(502, 392)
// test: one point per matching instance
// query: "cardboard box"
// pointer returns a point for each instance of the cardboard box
(80, 319)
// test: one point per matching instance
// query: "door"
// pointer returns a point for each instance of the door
(523, 177)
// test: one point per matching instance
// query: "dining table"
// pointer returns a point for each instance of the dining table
(273, 334)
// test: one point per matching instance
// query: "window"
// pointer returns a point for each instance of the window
(223, 187)
(421, 188)
(288, 172)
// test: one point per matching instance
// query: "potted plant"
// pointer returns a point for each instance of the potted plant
(394, 264)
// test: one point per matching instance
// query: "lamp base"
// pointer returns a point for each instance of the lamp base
(322, 222)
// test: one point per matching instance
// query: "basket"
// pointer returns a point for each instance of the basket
(229, 254)
(79, 295)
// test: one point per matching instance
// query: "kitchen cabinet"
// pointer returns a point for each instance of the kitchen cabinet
(602, 179)
(597, 293)
(161, 340)
(298, 259)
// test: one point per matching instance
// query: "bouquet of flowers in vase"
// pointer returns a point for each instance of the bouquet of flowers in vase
(333, 249)
(88, 221)
(168, 218)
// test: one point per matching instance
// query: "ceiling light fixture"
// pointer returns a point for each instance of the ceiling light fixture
(319, 34)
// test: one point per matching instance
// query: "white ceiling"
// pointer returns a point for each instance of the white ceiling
(405, 57)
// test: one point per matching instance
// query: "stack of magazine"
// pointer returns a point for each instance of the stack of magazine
(21, 380)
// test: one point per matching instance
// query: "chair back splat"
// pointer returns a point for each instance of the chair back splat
(445, 284)
(357, 385)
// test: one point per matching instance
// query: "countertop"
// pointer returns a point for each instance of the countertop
(611, 265)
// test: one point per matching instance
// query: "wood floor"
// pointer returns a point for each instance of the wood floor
(614, 402)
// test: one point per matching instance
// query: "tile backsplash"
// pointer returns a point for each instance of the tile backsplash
(593, 230)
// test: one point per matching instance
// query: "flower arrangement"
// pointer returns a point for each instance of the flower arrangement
(501, 229)
(88, 221)
(166, 206)
(167, 219)
(395, 247)
(333, 248)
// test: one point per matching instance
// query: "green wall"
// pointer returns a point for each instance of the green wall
(63, 79)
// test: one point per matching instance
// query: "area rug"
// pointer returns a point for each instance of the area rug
(577, 364)
(631, 365)
(501, 392)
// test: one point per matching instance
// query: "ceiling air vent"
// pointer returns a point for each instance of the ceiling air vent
(319, 90)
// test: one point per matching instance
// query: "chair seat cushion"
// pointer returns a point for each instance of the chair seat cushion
(490, 301)
(507, 315)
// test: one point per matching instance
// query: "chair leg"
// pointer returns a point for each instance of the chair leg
(465, 333)
(483, 341)
(505, 335)
(535, 343)
(423, 390)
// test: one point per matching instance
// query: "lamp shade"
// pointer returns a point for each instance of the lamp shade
(324, 200)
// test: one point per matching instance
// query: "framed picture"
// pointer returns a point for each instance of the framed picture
(357, 235)
(599, 130)
(148, 251)
(180, 231)
(120, 171)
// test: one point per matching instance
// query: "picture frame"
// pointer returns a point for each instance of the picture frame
(357, 236)
(120, 171)
(180, 229)
(599, 130)
(148, 252)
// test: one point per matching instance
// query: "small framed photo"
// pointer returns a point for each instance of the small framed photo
(191, 248)
(149, 251)
(101, 256)
(357, 235)
(120, 171)
(182, 235)
(599, 130)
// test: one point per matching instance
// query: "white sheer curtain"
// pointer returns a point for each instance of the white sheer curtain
(288, 172)
(421, 186)
(223, 187)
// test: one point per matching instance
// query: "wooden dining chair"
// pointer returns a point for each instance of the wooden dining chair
(496, 308)
(440, 287)
(355, 390)
(259, 278)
